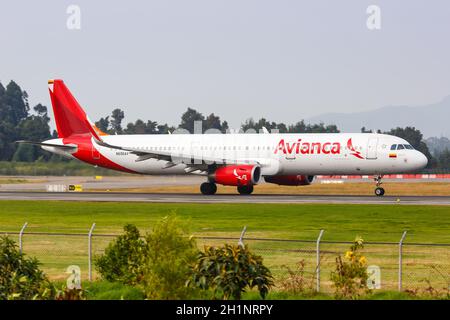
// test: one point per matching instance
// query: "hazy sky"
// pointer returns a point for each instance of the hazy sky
(284, 60)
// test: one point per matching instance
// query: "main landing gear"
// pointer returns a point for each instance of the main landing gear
(245, 189)
(379, 191)
(210, 188)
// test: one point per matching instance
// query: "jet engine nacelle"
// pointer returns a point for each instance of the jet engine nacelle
(239, 175)
(290, 180)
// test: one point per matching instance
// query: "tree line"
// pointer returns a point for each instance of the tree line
(18, 121)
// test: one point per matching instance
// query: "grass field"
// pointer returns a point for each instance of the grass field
(429, 224)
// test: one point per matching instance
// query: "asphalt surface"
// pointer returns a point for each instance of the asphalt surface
(222, 198)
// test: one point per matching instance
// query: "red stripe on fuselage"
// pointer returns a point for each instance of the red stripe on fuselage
(87, 152)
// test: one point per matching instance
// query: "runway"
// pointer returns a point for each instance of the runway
(222, 198)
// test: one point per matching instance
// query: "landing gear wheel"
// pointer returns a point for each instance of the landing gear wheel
(245, 189)
(208, 188)
(379, 191)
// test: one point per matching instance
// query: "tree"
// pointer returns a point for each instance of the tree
(444, 159)
(213, 122)
(20, 276)
(188, 118)
(116, 121)
(257, 126)
(33, 128)
(15, 104)
(103, 124)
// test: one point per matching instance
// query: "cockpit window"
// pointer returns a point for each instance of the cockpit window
(408, 146)
(400, 147)
(393, 147)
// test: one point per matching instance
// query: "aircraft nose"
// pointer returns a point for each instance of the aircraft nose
(421, 160)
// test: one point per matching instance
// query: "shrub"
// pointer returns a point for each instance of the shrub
(170, 253)
(20, 277)
(104, 290)
(159, 264)
(296, 282)
(350, 276)
(229, 270)
(124, 258)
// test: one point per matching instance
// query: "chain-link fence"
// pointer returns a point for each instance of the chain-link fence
(402, 265)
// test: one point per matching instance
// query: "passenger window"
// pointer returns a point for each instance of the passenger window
(394, 147)
(400, 147)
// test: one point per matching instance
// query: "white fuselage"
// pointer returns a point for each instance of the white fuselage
(278, 154)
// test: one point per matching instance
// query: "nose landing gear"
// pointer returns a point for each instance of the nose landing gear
(379, 191)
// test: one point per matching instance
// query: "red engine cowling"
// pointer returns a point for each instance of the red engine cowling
(291, 180)
(243, 175)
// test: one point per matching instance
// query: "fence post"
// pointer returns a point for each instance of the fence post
(21, 235)
(318, 260)
(241, 238)
(400, 261)
(90, 251)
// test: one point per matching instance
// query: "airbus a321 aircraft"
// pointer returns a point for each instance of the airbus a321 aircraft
(241, 160)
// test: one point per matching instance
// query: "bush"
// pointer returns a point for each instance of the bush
(20, 277)
(170, 253)
(229, 270)
(104, 290)
(124, 258)
(296, 281)
(159, 264)
(350, 276)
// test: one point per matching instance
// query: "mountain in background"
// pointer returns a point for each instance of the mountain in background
(432, 120)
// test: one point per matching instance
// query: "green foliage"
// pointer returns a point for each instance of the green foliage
(17, 123)
(212, 121)
(124, 258)
(229, 270)
(170, 253)
(159, 264)
(20, 277)
(350, 276)
(298, 127)
(104, 290)
(117, 116)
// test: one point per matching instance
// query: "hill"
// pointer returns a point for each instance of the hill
(431, 120)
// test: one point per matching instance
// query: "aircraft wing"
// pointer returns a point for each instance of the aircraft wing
(194, 163)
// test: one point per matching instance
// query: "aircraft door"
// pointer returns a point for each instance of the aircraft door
(372, 145)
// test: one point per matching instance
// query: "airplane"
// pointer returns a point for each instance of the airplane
(238, 159)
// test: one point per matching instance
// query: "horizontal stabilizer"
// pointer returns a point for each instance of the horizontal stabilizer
(44, 144)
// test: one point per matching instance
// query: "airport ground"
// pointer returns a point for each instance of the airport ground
(190, 184)
(342, 222)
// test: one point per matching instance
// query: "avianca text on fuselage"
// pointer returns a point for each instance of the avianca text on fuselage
(303, 147)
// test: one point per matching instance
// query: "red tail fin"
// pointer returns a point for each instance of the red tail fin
(70, 118)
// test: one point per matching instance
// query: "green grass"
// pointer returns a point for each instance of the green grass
(103, 290)
(291, 221)
(429, 224)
